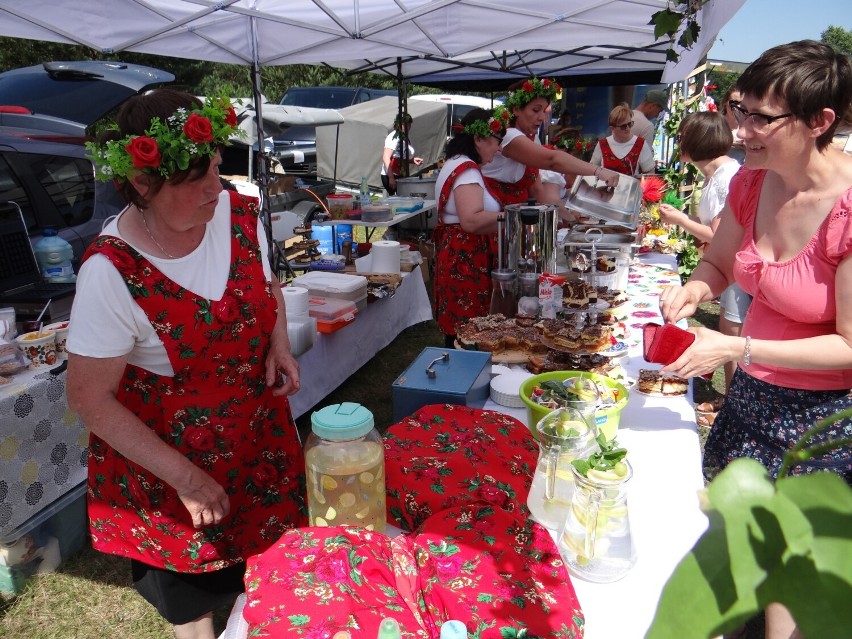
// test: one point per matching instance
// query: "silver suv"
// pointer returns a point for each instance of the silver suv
(45, 115)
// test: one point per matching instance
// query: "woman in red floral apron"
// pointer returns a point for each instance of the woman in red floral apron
(180, 367)
(513, 175)
(464, 237)
(622, 151)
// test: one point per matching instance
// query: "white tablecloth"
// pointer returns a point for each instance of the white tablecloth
(335, 356)
(661, 436)
(662, 439)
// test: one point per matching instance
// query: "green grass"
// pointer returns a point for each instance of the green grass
(91, 597)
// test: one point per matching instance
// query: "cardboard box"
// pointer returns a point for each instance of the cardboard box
(43, 542)
(462, 378)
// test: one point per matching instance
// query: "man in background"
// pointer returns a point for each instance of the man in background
(651, 106)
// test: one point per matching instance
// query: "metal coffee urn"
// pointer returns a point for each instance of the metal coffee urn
(528, 244)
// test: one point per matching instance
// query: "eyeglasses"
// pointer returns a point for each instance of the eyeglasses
(759, 121)
(623, 127)
(499, 138)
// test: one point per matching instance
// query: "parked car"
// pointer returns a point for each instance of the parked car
(46, 112)
(297, 150)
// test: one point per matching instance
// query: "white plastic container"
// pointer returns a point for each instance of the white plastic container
(334, 285)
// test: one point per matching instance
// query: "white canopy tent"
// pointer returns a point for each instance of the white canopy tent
(608, 36)
(613, 34)
(354, 149)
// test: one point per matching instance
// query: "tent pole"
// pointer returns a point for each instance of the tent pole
(262, 164)
(402, 137)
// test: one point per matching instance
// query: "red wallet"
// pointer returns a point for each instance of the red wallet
(664, 344)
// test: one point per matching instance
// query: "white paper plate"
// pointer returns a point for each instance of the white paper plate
(506, 389)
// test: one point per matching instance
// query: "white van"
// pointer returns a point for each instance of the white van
(457, 105)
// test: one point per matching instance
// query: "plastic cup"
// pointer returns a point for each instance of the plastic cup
(39, 349)
(60, 329)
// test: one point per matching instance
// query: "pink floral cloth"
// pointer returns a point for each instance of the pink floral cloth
(446, 455)
(498, 572)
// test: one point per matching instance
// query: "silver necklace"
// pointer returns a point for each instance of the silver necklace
(153, 239)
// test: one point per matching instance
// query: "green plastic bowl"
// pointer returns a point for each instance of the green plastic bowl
(607, 420)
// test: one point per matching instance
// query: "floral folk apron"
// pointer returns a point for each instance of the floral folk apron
(216, 410)
(626, 165)
(463, 263)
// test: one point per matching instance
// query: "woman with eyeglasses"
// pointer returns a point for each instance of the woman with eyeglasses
(786, 237)
(704, 139)
(621, 151)
(467, 221)
(514, 174)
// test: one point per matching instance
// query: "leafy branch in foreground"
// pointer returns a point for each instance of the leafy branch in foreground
(789, 543)
(668, 21)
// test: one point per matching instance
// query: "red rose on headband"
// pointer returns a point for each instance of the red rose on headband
(495, 126)
(528, 87)
(546, 83)
(144, 152)
(198, 128)
(231, 117)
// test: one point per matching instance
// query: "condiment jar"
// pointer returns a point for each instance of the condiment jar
(345, 468)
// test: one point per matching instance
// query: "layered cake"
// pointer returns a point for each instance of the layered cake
(656, 383)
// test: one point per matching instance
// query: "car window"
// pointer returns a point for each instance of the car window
(51, 190)
(320, 97)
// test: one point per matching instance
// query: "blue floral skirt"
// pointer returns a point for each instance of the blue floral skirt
(763, 421)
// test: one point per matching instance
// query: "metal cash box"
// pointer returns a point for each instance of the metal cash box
(442, 376)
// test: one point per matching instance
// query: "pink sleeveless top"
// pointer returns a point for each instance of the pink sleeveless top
(794, 299)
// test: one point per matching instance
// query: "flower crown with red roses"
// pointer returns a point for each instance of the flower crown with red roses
(496, 125)
(170, 146)
(531, 89)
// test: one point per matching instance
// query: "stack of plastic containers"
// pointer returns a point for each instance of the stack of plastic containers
(301, 327)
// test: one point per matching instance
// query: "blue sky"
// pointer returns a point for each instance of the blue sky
(761, 24)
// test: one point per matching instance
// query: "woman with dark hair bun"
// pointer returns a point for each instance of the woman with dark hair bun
(467, 220)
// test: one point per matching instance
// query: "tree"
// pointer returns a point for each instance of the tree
(838, 39)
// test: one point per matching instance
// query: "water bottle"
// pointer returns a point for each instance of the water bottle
(54, 256)
(366, 200)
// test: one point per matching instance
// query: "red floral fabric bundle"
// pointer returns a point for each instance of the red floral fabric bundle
(498, 572)
(445, 455)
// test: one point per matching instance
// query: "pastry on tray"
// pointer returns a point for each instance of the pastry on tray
(653, 382)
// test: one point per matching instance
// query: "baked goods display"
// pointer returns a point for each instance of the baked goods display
(578, 295)
(543, 344)
(653, 382)
(497, 334)
(570, 338)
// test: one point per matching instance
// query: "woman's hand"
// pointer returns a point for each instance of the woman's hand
(207, 502)
(677, 302)
(709, 351)
(610, 178)
(671, 215)
(418, 161)
(282, 369)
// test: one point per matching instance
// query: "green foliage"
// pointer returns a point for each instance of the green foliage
(668, 21)
(838, 38)
(723, 80)
(787, 543)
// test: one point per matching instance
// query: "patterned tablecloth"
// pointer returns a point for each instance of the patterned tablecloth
(43, 446)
